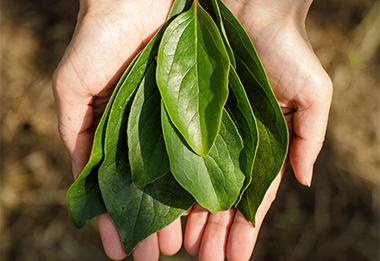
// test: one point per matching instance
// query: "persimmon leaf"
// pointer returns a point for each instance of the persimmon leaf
(241, 112)
(136, 212)
(215, 180)
(192, 76)
(273, 133)
(147, 153)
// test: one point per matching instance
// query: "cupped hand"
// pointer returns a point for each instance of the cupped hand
(304, 92)
(301, 85)
(107, 37)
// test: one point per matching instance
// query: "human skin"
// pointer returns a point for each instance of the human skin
(107, 37)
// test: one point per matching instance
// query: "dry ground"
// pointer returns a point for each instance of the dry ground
(336, 219)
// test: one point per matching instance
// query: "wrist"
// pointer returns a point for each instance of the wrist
(98, 3)
(261, 17)
(289, 11)
(93, 6)
(295, 10)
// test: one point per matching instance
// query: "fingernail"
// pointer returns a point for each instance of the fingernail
(75, 169)
(309, 177)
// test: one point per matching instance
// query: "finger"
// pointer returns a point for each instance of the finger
(147, 250)
(242, 239)
(170, 238)
(196, 224)
(243, 235)
(309, 126)
(110, 238)
(214, 240)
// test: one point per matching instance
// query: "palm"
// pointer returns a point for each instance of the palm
(302, 87)
(103, 44)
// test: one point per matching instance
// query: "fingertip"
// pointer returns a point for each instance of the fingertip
(302, 156)
(243, 236)
(170, 238)
(215, 236)
(110, 238)
(309, 177)
(147, 250)
(196, 224)
(304, 177)
(75, 169)
(242, 239)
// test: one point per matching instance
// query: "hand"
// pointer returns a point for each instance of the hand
(107, 37)
(304, 91)
(301, 85)
(85, 78)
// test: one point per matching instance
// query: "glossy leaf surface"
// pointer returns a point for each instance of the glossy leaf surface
(273, 133)
(136, 212)
(241, 112)
(139, 212)
(178, 7)
(273, 143)
(215, 180)
(242, 46)
(192, 76)
(212, 8)
(147, 153)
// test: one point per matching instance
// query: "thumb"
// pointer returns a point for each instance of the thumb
(309, 126)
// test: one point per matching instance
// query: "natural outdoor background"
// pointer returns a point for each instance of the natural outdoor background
(336, 219)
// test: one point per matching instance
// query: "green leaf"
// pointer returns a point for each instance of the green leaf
(136, 212)
(212, 8)
(242, 45)
(140, 212)
(121, 106)
(273, 133)
(147, 153)
(241, 112)
(215, 180)
(273, 142)
(84, 198)
(192, 76)
(179, 6)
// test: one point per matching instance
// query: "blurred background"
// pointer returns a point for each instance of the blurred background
(336, 219)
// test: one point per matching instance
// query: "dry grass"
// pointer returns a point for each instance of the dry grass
(336, 219)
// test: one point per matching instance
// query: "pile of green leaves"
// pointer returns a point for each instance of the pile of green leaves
(192, 119)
